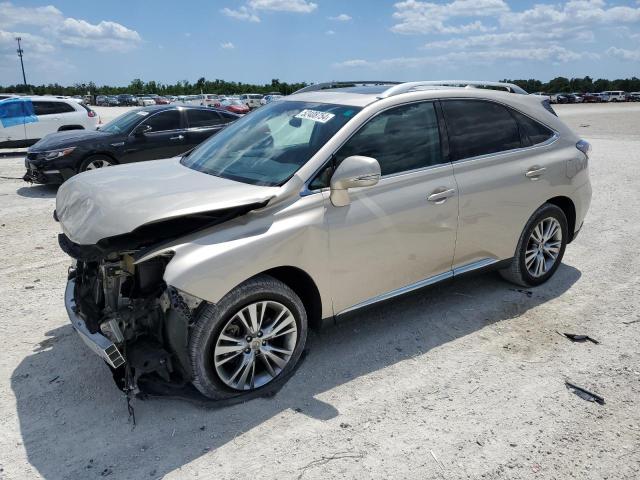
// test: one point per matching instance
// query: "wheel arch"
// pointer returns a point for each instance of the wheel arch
(304, 286)
(65, 128)
(569, 209)
(97, 154)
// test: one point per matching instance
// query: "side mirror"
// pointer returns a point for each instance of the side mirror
(355, 171)
(141, 130)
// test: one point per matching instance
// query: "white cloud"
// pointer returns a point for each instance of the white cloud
(543, 54)
(624, 54)
(58, 30)
(330, 32)
(227, 46)
(416, 17)
(297, 6)
(242, 13)
(343, 17)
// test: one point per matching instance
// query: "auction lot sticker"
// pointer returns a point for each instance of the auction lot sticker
(315, 115)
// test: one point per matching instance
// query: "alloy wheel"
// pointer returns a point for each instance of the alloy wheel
(99, 163)
(543, 247)
(255, 345)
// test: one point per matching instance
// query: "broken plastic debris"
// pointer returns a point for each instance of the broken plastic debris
(574, 337)
(584, 393)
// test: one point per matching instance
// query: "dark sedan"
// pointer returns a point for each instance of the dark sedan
(148, 133)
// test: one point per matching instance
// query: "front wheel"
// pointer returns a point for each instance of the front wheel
(249, 340)
(96, 161)
(540, 248)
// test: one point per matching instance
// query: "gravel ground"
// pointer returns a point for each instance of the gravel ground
(465, 380)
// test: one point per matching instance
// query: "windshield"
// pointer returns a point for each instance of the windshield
(125, 122)
(268, 146)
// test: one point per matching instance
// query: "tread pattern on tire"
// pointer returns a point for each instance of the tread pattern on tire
(513, 273)
(210, 318)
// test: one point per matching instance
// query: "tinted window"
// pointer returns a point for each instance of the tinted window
(203, 118)
(51, 108)
(403, 138)
(479, 128)
(168, 120)
(531, 131)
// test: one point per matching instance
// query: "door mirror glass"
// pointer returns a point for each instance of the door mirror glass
(353, 172)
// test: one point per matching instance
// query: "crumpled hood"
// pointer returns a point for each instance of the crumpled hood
(103, 203)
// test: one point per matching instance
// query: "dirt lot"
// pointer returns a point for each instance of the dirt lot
(464, 380)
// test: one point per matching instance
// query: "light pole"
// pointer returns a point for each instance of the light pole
(20, 52)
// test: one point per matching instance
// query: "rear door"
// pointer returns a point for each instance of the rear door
(51, 116)
(504, 172)
(165, 138)
(202, 124)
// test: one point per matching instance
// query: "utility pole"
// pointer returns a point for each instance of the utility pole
(20, 52)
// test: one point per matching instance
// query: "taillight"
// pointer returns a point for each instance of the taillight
(91, 113)
(584, 147)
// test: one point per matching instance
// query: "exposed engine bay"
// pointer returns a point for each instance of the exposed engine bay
(145, 320)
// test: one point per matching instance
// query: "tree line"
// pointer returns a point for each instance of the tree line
(202, 85)
(586, 84)
(138, 87)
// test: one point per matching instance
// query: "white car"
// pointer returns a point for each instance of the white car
(25, 120)
(615, 96)
(251, 100)
(210, 100)
(146, 101)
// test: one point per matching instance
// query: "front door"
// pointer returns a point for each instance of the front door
(400, 233)
(165, 138)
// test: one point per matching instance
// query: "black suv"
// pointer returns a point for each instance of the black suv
(148, 133)
(126, 99)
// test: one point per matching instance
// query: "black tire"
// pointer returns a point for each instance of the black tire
(93, 158)
(517, 272)
(213, 318)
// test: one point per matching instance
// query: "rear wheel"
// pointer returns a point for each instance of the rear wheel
(96, 161)
(248, 341)
(540, 248)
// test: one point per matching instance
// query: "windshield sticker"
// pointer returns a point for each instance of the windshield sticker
(144, 114)
(315, 115)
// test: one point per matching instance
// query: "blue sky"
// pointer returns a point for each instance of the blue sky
(115, 41)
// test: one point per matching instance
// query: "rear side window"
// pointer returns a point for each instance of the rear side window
(51, 108)
(532, 132)
(477, 127)
(401, 139)
(203, 118)
(163, 121)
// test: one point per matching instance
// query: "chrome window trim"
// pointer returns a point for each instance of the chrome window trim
(305, 191)
(485, 262)
(153, 115)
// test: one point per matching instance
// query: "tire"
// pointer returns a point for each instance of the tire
(525, 275)
(92, 162)
(213, 373)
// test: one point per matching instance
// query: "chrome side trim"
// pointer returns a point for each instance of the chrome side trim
(97, 342)
(485, 262)
(400, 291)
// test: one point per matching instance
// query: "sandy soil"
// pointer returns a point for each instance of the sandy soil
(465, 380)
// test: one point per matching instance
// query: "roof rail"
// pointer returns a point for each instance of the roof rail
(411, 86)
(342, 84)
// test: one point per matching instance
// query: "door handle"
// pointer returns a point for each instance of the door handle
(535, 172)
(440, 196)
(179, 137)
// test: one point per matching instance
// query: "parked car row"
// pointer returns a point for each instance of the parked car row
(148, 133)
(602, 97)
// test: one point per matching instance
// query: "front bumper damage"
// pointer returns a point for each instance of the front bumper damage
(46, 174)
(97, 342)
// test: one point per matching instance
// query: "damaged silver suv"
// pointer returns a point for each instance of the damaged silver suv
(207, 270)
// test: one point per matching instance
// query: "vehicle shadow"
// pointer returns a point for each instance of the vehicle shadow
(74, 423)
(38, 191)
